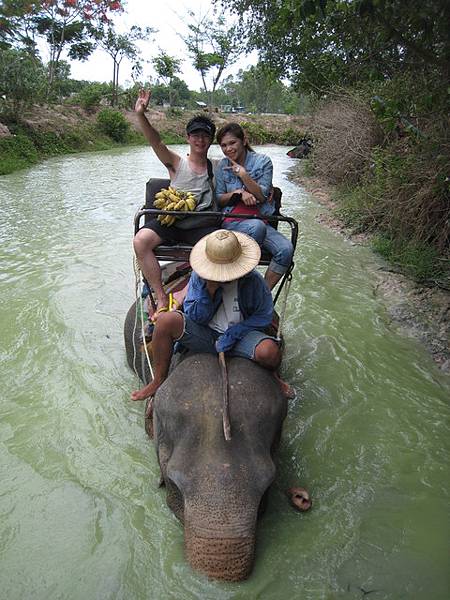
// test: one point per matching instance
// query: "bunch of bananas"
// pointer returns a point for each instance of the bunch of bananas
(172, 199)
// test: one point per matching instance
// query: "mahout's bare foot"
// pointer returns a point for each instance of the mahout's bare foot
(287, 390)
(299, 498)
(145, 392)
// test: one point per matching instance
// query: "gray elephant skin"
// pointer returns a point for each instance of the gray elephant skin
(216, 488)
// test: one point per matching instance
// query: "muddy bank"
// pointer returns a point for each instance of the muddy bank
(419, 311)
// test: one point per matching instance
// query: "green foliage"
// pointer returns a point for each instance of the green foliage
(16, 152)
(169, 137)
(418, 260)
(213, 46)
(114, 124)
(260, 90)
(91, 95)
(120, 46)
(22, 80)
(61, 24)
(257, 134)
(48, 143)
(328, 43)
(174, 112)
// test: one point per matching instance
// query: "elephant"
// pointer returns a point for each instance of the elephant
(216, 488)
(302, 149)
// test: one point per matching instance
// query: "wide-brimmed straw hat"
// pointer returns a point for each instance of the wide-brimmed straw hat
(225, 255)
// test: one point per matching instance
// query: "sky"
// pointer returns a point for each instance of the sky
(169, 18)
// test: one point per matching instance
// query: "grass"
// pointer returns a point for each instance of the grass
(417, 260)
(28, 146)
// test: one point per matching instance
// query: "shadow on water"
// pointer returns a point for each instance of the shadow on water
(82, 516)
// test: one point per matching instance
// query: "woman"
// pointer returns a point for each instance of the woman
(249, 174)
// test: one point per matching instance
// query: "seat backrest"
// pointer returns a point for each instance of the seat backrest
(277, 194)
(152, 187)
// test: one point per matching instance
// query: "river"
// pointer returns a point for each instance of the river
(81, 512)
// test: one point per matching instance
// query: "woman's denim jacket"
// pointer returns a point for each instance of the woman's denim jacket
(260, 169)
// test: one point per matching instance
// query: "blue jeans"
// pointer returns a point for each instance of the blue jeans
(255, 228)
(269, 239)
(280, 248)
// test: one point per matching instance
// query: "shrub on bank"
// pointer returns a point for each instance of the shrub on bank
(345, 132)
(113, 123)
(16, 152)
(392, 177)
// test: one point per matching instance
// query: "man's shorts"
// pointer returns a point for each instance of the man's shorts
(201, 338)
(175, 235)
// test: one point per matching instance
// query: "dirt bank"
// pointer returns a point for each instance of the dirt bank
(420, 312)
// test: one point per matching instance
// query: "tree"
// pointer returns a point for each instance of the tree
(120, 46)
(213, 47)
(321, 43)
(22, 79)
(64, 24)
(167, 67)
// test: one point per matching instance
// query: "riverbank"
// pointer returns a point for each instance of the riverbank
(421, 312)
(45, 131)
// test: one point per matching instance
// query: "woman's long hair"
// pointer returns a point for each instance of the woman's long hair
(236, 130)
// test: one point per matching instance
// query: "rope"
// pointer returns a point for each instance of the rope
(283, 308)
(138, 296)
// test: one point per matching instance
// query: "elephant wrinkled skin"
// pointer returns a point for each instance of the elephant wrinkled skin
(217, 488)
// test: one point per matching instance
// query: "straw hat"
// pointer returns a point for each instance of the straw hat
(225, 255)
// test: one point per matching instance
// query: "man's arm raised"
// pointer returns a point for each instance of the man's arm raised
(169, 159)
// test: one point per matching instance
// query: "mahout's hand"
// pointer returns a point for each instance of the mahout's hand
(212, 287)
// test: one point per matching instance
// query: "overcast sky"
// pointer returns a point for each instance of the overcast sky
(169, 18)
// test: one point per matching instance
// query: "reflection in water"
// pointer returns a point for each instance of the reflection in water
(82, 515)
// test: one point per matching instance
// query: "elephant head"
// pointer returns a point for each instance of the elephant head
(217, 487)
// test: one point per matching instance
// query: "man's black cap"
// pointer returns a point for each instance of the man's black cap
(200, 125)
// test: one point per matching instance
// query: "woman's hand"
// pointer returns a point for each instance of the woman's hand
(248, 199)
(237, 169)
(142, 102)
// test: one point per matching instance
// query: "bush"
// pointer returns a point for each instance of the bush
(16, 152)
(257, 134)
(418, 260)
(345, 132)
(114, 124)
(90, 97)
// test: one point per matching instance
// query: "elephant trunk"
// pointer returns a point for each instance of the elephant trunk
(220, 540)
(226, 559)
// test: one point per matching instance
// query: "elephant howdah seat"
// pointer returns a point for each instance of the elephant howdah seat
(181, 252)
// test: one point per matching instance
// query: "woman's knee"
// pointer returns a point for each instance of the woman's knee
(257, 230)
(285, 251)
(268, 354)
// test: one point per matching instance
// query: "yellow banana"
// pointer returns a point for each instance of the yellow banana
(170, 206)
(160, 194)
(191, 203)
(160, 203)
(180, 205)
(168, 220)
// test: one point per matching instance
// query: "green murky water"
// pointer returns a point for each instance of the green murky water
(81, 513)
